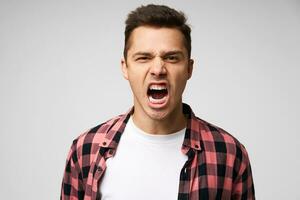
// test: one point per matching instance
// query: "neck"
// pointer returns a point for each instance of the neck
(172, 123)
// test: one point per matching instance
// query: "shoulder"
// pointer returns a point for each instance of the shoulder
(218, 141)
(86, 145)
(226, 157)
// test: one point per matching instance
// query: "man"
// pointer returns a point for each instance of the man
(159, 149)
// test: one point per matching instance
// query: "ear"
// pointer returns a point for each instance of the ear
(190, 68)
(124, 68)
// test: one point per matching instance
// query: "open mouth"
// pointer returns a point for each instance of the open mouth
(157, 94)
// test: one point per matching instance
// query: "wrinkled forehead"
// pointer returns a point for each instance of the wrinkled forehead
(156, 40)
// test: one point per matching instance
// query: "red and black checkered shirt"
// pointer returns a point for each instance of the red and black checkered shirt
(218, 166)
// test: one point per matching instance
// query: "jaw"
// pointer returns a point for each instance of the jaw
(158, 121)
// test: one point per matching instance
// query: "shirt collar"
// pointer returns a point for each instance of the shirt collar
(115, 128)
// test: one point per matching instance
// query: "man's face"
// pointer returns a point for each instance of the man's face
(157, 68)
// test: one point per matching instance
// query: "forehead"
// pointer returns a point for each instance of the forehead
(156, 39)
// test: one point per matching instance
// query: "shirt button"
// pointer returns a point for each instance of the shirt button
(110, 152)
(104, 143)
(196, 146)
(99, 169)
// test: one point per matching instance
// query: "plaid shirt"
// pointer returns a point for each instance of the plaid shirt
(218, 166)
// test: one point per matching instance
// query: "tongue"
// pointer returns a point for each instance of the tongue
(157, 95)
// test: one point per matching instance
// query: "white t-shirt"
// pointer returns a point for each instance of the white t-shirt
(145, 166)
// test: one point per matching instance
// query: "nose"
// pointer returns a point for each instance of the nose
(158, 68)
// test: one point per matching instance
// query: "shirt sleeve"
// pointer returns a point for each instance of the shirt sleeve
(243, 187)
(72, 183)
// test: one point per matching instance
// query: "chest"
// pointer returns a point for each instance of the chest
(143, 171)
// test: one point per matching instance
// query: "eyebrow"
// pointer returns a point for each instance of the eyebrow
(173, 53)
(141, 53)
(168, 53)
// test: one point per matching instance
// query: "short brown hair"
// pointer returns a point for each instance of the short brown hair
(160, 16)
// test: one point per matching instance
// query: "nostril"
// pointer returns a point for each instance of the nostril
(159, 72)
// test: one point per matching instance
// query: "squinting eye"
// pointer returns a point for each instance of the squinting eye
(142, 58)
(172, 58)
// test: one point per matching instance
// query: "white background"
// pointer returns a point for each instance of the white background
(60, 75)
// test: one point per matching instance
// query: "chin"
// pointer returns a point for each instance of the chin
(158, 115)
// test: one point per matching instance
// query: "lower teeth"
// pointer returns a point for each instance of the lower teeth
(153, 100)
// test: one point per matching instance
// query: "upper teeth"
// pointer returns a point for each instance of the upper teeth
(157, 87)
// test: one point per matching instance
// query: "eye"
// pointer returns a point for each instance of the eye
(142, 59)
(172, 58)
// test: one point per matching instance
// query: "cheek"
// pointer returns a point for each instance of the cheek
(180, 82)
(137, 72)
(136, 83)
(132, 76)
(178, 86)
